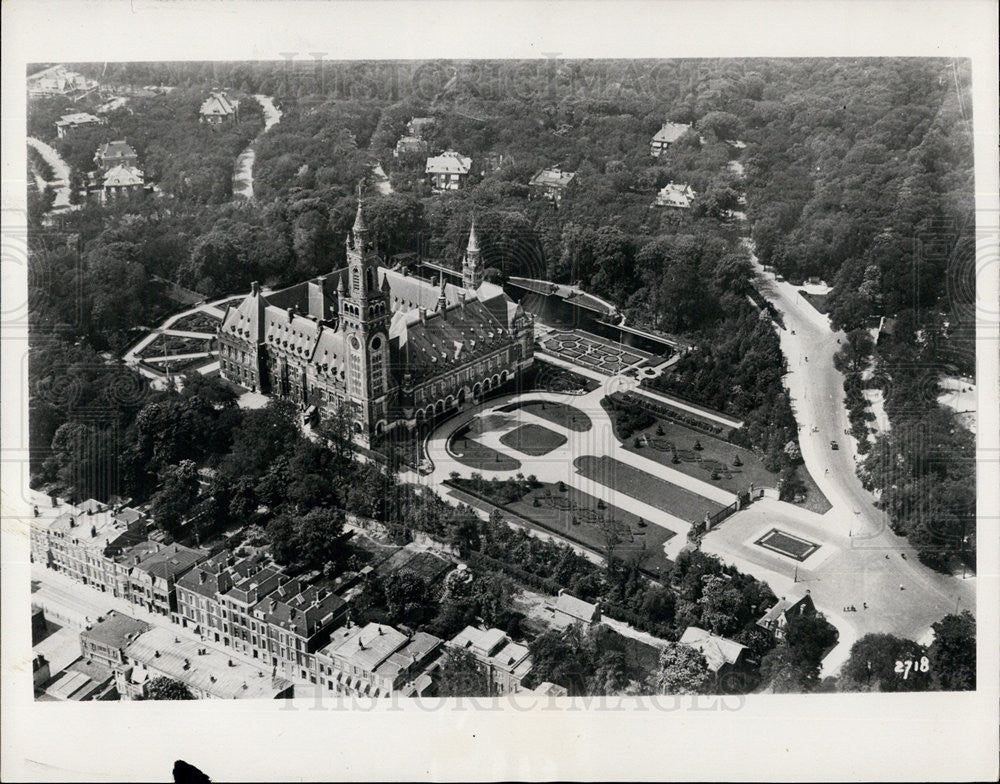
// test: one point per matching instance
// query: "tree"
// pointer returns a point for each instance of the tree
(785, 672)
(173, 502)
(809, 637)
(953, 652)
(459, 675)
(682, 670)
(163, 688)
(882, 662)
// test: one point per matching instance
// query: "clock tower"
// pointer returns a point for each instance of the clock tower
(365, 317)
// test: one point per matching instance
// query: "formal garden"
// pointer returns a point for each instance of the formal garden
(562, 414)
(650, 489)
(562, 509)
(532, 439)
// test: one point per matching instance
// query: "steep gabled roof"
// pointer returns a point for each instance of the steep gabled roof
(219, 104)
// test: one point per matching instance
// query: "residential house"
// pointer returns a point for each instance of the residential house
(410, 145)
(219, 108)
(419, 126)
(667, 135)
(550, 183)
(566, 610)
(152, 579)
(58, 80)
(448, 171)
(776, 619)
(70, 122)
(721, 654)
(116, 153)
(674, 194)
(105, 641)
(208, 673)
(122, 180)
(504, 662)
(376, 661)
(294, 621)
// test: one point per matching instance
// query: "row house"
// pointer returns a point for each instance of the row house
(199, 592)
(82, 540)
(377, 661)
(208, 673)
(294, 622)
(152, 579)
(245, 633)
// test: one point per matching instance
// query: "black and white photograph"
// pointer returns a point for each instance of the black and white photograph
(581, 392)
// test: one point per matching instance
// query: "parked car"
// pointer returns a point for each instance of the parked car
(834, 445)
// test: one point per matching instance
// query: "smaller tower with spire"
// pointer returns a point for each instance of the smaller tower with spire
(472, 266)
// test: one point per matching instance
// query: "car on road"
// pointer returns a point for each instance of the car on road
(834, 445)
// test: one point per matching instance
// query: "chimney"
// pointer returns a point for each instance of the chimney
(461, 299)
(291, 314)
(255, 288)
(93, 531)
(137, 559)
(202, 577)
(423, 314)
(72, 522)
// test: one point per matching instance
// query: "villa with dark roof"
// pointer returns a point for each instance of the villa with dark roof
(219, 108)
(388, 348)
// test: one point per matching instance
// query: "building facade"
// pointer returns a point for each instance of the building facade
(376, 661)
(219, 108)
(448, 171)
(669, 133)
(387, 348)
(504, 662)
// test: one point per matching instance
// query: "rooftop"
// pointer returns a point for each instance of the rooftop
(122, 175)
(671, 132)
(115, 630)
(555, 178)
(718, 651)
(219, 104)
(449, 162)
(213, 671)
(78, 118)
(575, 608)
(171, 561)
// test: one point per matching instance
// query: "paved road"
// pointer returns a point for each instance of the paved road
(243, 173)
(60, 169)
(816, 390)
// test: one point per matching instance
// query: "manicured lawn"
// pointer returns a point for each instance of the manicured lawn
(472, 453)
(577, 515)
(818, 301)
(645, 487)
(559, 413)
(787, 544)
(533, 439)
(715, 454)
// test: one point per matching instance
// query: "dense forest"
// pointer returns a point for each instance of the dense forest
(855, 171)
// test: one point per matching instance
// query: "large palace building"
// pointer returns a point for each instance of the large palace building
(389, 348)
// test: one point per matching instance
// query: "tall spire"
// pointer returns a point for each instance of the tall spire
(473, 237)
(472, 270)
(359, 220)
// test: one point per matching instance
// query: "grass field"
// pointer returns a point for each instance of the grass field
(532, 439)
(714, 454)
(558, 413)
(645, 487)
(476, 455)
(786, 544)
(577, 515)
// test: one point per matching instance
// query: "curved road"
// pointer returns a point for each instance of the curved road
(61, 170)
(816, 391)
(243, 173)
